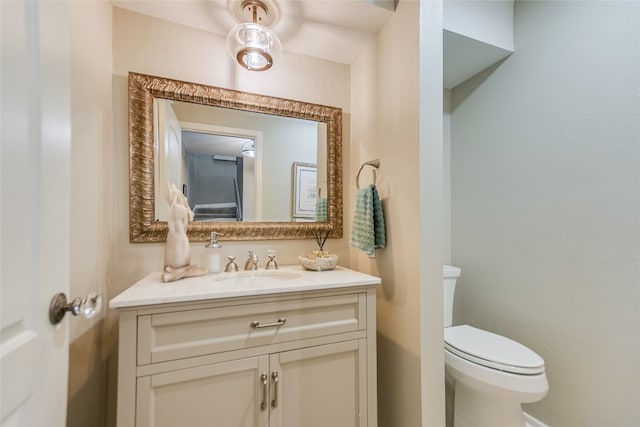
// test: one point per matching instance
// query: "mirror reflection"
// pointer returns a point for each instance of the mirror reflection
(275, 162)
(235, 165)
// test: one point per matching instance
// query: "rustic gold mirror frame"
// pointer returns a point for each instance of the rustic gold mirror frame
(142, 224)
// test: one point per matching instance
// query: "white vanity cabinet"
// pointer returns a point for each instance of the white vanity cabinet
(196, 353)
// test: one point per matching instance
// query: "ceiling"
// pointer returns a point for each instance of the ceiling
(334, 30)
(208, 143)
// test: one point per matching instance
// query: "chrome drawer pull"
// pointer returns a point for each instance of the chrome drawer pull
(281, 321)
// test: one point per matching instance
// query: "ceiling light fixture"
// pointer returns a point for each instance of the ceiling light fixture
(249, 149)
(255, 46)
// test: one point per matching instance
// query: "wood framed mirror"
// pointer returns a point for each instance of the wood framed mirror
(148, 179)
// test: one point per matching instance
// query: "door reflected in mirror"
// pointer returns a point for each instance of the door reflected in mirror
(233, 165)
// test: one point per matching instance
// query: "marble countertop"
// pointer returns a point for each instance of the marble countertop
(289, 278)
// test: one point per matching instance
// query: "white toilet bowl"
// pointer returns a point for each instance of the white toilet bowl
(492, 375)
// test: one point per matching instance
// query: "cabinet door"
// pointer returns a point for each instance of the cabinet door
(323, 386)
(221, 394)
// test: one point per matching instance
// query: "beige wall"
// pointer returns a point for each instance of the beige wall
(392, 120)
(386, 124)
(142, 44)
(545, 203)
(387, 107)
(91, 139)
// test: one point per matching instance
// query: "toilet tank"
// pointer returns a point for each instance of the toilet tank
(450, 275)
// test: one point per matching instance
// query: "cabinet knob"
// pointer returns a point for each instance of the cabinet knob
(88, 307)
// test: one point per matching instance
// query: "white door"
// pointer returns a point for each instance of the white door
(35, 163)
(168, 148)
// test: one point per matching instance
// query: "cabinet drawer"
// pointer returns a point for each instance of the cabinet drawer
(181, 334)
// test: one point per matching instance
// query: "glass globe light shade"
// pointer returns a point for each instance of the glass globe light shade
(249, 149)
(254, 46)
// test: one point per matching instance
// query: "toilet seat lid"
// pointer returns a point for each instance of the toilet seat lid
(492, 350)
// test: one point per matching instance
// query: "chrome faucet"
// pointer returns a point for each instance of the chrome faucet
(271, 264)
(231, 264)
(252, 261)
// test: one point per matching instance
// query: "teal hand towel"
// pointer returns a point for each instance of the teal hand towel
(321, 209)
(368, 231)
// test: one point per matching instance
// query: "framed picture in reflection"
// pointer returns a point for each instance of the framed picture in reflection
(304, 177)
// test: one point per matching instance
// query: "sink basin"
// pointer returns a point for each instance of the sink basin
(257, 278)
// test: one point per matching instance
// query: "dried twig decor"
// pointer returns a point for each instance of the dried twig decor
(320, 235)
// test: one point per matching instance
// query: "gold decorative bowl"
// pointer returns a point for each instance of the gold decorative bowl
(319, 261)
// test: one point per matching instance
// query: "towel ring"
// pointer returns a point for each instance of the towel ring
(375, 163)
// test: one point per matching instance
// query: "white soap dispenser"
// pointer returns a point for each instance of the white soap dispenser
(211, 258)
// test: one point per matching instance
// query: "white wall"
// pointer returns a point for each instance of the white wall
(431, 179)
(545, 204)
(488, 21)
(446, 176)
(477, 34)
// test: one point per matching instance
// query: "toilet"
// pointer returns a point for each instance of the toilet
(492, 375)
